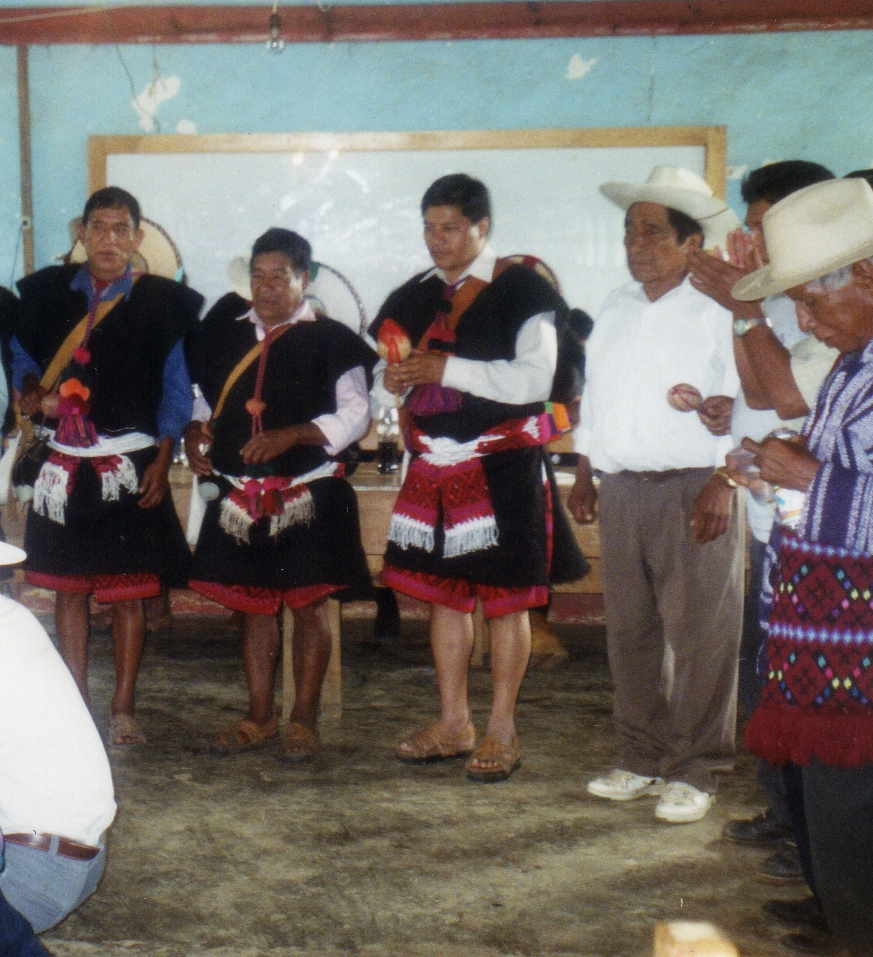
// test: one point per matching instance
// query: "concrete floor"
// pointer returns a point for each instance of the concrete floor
(357, 854)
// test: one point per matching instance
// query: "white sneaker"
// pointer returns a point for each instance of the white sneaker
(621, 785)
(681, 803)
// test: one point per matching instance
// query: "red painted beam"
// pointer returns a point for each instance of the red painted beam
(437, 21)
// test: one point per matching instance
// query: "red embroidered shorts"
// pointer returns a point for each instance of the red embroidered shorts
(460, 595)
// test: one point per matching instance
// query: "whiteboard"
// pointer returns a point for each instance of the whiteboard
(356, 197)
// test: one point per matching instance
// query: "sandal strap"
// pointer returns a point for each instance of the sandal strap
(435, 741)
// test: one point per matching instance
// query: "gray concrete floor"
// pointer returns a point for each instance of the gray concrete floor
(357, 854)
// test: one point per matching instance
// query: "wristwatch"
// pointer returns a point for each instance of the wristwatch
(742, 325)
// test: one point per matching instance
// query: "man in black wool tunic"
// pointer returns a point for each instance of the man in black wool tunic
(287, 392)
(478, 515)
(98, 353)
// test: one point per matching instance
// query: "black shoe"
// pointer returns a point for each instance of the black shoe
(817, 943)
(796, 913)
(783, 867)
(758, 831)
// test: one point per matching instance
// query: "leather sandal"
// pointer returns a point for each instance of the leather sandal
(434, 743)
(299, 743)
(245, 735)
(505, 758)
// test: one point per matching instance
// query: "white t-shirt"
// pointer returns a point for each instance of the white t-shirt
(54, 773)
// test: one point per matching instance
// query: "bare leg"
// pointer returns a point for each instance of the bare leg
(451, 639)
(311, 646)
(510, 650)
(73, 624)
(260, 649)
(128, 636)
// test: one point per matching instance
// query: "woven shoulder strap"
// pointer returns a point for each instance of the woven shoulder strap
(239, 369)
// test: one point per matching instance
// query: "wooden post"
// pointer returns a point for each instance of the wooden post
(25, 159)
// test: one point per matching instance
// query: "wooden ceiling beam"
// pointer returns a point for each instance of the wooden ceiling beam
(439, 21)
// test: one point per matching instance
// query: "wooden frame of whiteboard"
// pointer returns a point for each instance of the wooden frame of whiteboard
(712, 138)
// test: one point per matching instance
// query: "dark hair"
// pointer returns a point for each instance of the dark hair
(683, 225)
(458, 189)
(112, 197)
(290, 244)
(775, 181)
(861, 174)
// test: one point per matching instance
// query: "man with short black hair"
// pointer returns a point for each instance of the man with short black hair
(477, 517)
(98, 353)
(671, 554)
(285, 393)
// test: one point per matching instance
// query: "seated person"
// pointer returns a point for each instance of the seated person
(56, 795)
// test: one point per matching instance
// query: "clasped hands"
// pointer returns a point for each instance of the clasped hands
(421, 368)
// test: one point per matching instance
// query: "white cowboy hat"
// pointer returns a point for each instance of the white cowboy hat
(10, 555)
(157, 253)
(680, 189)
(812, 233)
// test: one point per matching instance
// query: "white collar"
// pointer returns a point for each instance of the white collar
(303, 313)
(482, 268)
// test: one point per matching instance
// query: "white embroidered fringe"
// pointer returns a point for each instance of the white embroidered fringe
(300, 510)
(50, 492)
(124, 477)
(235, 521)
(471, 536)
(405, 532)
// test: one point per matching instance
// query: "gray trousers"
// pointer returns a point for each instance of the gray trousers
(674, 619)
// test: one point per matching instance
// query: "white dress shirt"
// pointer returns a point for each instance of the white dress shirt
(351, 420)
(54, 773)
(524, 379)
(637, 351)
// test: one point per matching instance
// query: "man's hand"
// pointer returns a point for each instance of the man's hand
(712, 510)
(155, 482)
(715, 278)
(269, 445)
(745, 250)
(582, 502)
(420, 368)
(32, 394)
(786, 463)
(196, 440)
(715, 413)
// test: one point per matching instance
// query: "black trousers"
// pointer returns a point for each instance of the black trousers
(835, 841)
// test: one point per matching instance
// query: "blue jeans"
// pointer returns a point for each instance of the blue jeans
(44, 887)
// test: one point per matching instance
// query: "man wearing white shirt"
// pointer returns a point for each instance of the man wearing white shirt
(670, 536)
(477, 516)
(56, 794)
(284, 393)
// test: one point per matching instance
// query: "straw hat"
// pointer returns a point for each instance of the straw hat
(157, 253)
(680, 189)
(812, 233)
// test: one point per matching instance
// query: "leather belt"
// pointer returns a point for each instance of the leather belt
(66, 848)
(663, 476)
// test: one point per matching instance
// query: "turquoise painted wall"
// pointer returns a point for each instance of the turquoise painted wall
(780, 95)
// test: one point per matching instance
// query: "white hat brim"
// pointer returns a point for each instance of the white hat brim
(10, 555)
(768, 282)
(688, 201)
